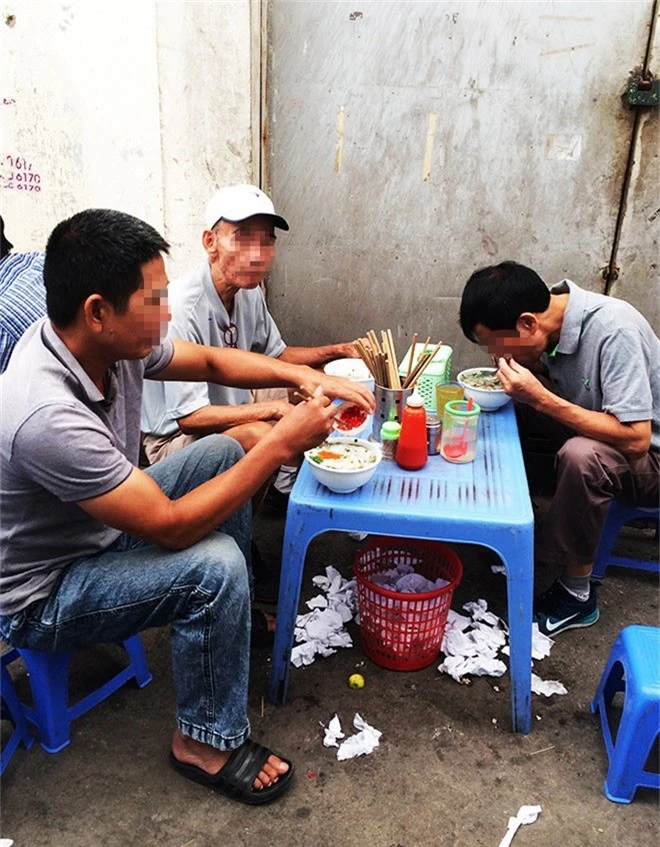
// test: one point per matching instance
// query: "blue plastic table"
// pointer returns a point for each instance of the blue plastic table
(482, 502)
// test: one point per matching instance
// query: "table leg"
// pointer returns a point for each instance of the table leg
(294, 549)
(520, 589)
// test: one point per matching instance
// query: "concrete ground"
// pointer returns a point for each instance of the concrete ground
(448, 771)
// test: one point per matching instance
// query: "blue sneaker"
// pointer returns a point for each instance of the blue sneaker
(557, 610)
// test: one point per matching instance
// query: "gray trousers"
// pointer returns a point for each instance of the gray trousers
(589, 475)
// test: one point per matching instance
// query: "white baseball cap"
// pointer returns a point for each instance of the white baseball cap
(237, 202)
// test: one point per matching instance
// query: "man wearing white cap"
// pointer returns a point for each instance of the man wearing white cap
(220, 303)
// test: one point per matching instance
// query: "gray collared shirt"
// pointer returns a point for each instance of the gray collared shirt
(199, 315)
(607, 358)
(61, 441)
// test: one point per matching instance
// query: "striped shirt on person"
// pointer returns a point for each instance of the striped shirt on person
(22, 298)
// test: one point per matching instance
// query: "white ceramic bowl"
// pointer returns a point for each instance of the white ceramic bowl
(488, 399)
(345, 481)
(353, 369)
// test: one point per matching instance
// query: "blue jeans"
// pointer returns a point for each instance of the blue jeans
(203, 592)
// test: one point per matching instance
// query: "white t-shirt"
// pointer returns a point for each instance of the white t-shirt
(199, 315)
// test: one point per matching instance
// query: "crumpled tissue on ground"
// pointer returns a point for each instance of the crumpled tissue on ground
(541, 644)
(332, 733)
(479, 611)
(321, 631)
(471, 645)
(546, 686)
(365, 740)
(459, 666)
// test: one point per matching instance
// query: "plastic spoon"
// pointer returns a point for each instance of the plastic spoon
(526, 815)
(457, 447)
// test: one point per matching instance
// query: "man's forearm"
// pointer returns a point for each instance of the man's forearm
(211, 419)
(235, 368)
(630, 439)
(139, 507)
(316, 357)
(238, 368)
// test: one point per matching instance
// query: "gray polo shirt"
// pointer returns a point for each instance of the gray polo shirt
(607, 358)
(199, 315)
(61, 441)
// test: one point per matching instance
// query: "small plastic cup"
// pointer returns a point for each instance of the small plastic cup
(446, 391)
(459, 431)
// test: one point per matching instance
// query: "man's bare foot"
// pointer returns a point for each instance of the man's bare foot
(209, 759)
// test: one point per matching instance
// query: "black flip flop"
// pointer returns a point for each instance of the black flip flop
(235, 778)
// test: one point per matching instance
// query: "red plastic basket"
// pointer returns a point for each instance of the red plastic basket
(403, 632)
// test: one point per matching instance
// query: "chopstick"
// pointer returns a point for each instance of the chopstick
(395, 364)
(424, 361)
(381, 360)
(421, 366)
(412, 353)
(303, 394)
(306, 395)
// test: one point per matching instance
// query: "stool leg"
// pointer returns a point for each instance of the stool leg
(49, 679)
(133, 647)
(614, 682)
(631, 749)
(607, 539)
(16, 715)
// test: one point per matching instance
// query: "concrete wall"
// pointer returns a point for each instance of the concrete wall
(408, 143)
(638, 254)
(411, 143)
(139, 106)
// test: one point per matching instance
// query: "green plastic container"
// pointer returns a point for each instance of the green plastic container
(437, 372)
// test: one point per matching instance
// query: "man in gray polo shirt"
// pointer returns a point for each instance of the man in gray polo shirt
(95, 549)
(220, 303)
(602, 357)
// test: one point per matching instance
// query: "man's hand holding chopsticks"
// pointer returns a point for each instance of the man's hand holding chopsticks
(308, 423)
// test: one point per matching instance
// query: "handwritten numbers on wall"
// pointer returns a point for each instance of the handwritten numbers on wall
(17, 174)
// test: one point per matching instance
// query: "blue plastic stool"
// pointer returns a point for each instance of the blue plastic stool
(49, 680)
(12, 710)
(634, 668)
(619, 514)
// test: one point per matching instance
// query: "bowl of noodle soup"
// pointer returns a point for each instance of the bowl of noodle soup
(483, 385)
(344, 464)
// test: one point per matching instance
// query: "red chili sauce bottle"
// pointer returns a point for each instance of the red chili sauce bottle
(412, 450)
